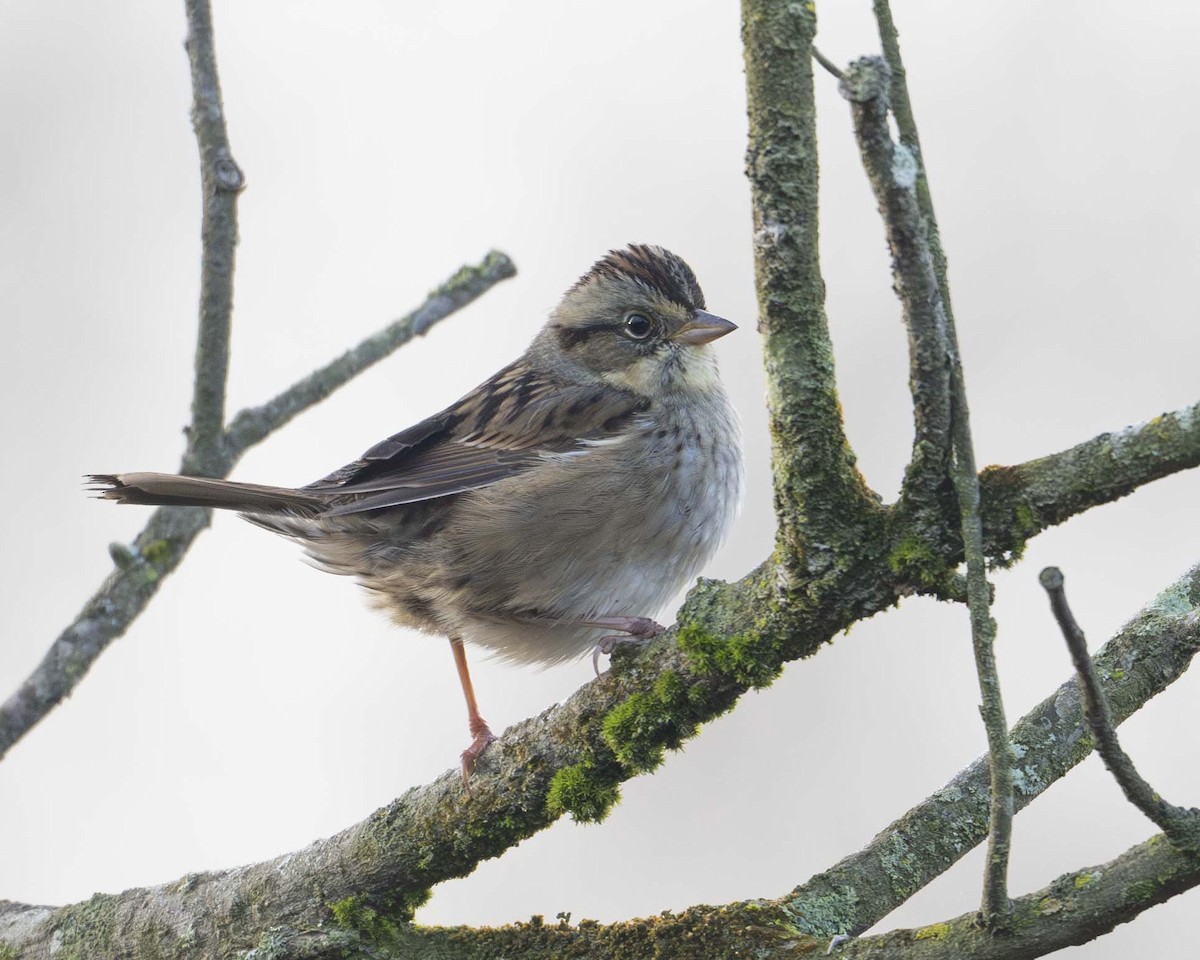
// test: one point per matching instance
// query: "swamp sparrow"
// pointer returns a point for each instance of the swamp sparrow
(563, 499)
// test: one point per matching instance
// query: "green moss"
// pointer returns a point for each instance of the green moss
(355, 916)
(583, 792)
(639, 730)
(157, 552)
(750, 660)
(88, 928)
(376, 921)
(935, 931)
(1024, 526)
(1085, 879)
(1140, 891)
(913, 560)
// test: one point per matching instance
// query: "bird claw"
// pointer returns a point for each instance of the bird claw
(483, 739)
(636, 630)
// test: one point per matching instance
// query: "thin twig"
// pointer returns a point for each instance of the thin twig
(906, 126)
(165, 539)
(221, 180)
(1181, 825)
(995, 904)
(121, 598)
(942, 422)
(967, 488)
(828, 64)
(1150, 652)
(468, 284)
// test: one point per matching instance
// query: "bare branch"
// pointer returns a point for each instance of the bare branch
(906, 126)
(828, 64)
(470, 282)
(892, 171)
(983, 638)
(1181, 825)
(165, 539)
(221, 180)
(942, 421)
(139, 571)
(1148, 654)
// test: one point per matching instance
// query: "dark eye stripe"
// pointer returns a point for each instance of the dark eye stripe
(573, 336)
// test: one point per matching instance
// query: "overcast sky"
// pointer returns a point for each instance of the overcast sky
(258, 704)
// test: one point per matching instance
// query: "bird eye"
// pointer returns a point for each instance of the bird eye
(637, 326)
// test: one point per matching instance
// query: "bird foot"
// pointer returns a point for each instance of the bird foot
(636, 630)
(483, 739)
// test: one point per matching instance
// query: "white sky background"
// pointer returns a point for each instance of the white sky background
(258, 704)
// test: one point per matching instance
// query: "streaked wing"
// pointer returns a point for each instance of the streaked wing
(499, 430)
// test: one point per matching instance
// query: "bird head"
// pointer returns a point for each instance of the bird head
(636, 321)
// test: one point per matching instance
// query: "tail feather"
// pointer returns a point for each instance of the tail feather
(165, 489)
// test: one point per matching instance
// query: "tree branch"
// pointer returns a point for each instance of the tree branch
(994, 905)
(572, 758)
(821, 501)
(139, 571)
(1181, 826)
(161, 545)
(469, 283)
(906, 126)
(221, 181)
(1148, 654)
(892, 171)
(942, 423)
(828, 65)
(1020, 501)
(1075, 908)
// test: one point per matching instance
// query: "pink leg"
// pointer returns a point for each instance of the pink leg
(479, 728)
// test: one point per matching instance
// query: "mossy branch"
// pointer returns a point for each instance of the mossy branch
(376, 872)
(821, 500)
(1020, 501)
(1145, 656)
(1074, 909)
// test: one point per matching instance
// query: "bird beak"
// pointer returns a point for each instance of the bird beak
(704, 328)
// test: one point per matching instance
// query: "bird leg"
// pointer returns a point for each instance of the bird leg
(638, 630)
(479, 728)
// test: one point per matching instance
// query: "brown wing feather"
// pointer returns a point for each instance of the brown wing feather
(497, 431)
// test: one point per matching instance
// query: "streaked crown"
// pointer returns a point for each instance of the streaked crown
(657, 270)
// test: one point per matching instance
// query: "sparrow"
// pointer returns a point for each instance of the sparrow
(551, 511)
